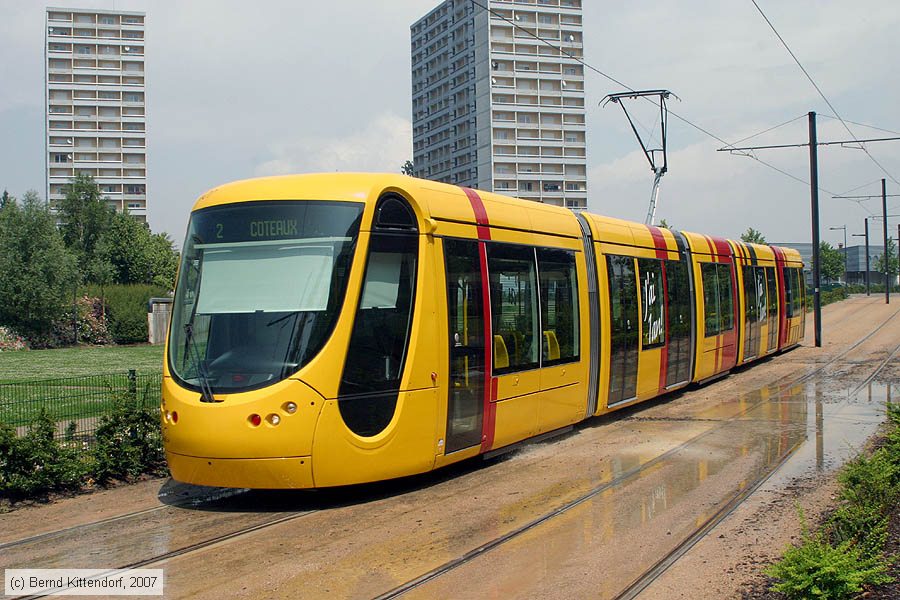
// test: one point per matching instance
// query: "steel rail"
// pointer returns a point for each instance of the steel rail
(643, 580)
(500, 540)
(651, 574)
(160, 558)
(219, 495)
(877, 370)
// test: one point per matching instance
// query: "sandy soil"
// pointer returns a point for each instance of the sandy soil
(362, 542)
(728, 562)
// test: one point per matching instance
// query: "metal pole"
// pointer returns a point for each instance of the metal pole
(814, 201)
(885, 255)
(898, 250)
(868, 289)
(845, 255)
(844, 227)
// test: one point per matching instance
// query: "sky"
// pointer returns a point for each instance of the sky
(239, 89)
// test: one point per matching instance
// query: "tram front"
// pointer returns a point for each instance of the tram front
(290, 329)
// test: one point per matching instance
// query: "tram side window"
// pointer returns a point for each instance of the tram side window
(773, 292)
(762, 299)
(514, 305)
(559, 306)
(710, 298)
(789, 287)
(652, 303)
(726, 297)
(380, 337)
(718, 301)
(798, 291)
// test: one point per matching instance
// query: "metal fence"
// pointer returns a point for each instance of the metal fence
(76, 404)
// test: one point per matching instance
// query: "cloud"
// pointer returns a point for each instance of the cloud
(383, 145)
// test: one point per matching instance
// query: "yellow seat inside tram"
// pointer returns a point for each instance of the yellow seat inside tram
(552, 345)
(501, 356)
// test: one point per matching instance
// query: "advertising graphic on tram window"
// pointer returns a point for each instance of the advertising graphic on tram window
(654, 332)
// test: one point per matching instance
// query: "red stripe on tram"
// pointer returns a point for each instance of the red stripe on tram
(488, 423)
(481, 218)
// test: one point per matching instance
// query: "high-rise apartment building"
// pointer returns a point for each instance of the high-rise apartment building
(96, 119)
(498, 98)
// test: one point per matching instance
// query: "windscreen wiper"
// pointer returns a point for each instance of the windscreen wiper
(199, 365)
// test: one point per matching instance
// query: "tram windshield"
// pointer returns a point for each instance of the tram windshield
(260, 287)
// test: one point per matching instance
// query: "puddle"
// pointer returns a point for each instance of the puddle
(645, 485)
(606, 542)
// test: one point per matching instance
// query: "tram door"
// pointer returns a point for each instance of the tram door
(465, 402)
(678, 287)
(623, 302)
(754, 309)
(772, 293)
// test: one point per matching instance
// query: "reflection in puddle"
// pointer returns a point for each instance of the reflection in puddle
(615, 536)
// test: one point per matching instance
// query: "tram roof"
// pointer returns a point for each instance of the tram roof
(446, 202)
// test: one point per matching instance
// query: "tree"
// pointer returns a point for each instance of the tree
(37, 272)
(5, 199)
(134, 255)
(164, 260)
(84, 216)
(832, 261)
(752, 236)
(891, 252)
(408, 168)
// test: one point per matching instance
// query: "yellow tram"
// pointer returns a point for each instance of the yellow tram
(343, 328)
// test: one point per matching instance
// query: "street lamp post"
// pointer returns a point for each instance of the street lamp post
(844, 227)
(866, 235)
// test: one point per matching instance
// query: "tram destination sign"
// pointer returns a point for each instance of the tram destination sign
(282, 220)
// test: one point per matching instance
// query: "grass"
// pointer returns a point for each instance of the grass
(79, 361)
(83, 400)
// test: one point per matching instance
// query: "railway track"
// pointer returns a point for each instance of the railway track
(192, 502)
(630, 591)
(648, 576)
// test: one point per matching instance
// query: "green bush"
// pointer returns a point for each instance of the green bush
(869, 481)
(36, 463)
(816, 569)
(128, 440)
(835, 295)
(126, 309)
(873, 288)
(848, 552)
(893, 414)
(863, 525)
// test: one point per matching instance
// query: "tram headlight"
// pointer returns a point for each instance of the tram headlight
(273, 419)
(290, 408)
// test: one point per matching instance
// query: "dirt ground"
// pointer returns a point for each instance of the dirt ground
(365, 542)
(728, 563)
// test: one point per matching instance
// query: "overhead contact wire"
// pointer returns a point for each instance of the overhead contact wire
(590, 67)
(822, 94)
